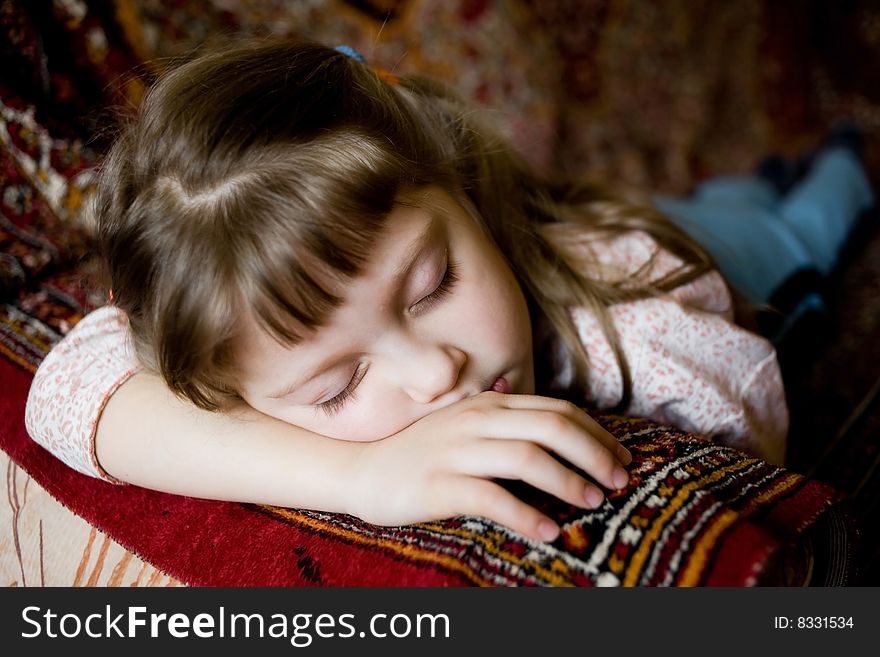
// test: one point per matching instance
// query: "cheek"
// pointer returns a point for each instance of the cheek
(370, 417)
(375, 417)
(498, 309)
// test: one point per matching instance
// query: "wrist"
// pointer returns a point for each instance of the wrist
(362, 479)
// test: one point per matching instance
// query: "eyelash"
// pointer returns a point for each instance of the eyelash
(334, 405)
(450, 278)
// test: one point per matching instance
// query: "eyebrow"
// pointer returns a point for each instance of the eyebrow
(415, 249)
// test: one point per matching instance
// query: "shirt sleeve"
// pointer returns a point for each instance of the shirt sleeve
(691, 366)
(74, 383)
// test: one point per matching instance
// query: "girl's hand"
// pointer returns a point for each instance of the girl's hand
(443, 465)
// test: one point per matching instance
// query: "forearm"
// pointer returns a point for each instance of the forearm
(149, 437)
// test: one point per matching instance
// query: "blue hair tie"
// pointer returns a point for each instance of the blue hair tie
(348, 51)
(385, 76)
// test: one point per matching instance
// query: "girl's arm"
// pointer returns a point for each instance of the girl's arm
(91, 406)
(149, 437)
(438, 467)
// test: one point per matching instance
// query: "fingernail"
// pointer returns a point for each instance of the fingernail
(620, 477)
(548, 531)
(624, 455)
(594, 497)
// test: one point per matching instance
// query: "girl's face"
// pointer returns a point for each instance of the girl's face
(436, 317)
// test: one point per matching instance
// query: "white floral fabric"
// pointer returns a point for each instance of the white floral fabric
(691, 366)
(74, 383)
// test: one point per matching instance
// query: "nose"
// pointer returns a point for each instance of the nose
(429, 370)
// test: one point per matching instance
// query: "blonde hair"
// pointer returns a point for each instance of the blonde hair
(259, 177)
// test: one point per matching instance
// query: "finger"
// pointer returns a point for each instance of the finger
(485, 498)
(526, 461)
(566, 408)
(608, 439)
(560, 434)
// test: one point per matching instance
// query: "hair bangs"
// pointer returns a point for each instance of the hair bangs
(310, 229)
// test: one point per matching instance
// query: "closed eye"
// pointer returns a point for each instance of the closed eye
(450, 278)
(332, 406)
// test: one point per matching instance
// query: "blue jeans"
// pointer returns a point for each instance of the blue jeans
(759, 238)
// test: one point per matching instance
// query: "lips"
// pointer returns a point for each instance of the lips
(501, 385)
